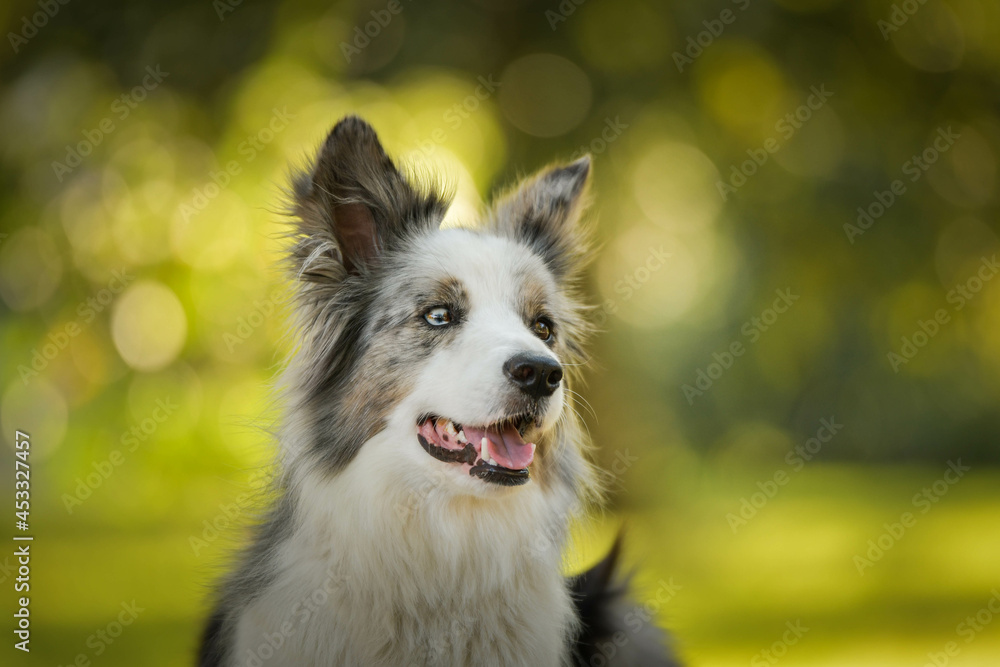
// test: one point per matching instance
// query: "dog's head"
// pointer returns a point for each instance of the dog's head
(444, 350)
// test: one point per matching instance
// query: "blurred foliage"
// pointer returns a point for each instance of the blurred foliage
(143, 155)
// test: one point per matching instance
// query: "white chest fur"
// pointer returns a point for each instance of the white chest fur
(383, 569)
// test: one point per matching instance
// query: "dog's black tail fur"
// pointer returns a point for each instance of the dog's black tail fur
(614, 631)
(212, 651)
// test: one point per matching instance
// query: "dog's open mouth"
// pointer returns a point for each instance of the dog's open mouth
(496, 453)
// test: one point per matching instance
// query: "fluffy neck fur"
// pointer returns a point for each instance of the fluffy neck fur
(386, 567)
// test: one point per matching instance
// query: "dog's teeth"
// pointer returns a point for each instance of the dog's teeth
(461, 436)
(450, 430)
(533, 448)
(484, 449)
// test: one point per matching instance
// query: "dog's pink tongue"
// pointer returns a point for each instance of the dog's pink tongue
(507, 448)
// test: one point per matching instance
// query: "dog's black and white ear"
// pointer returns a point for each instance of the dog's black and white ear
(354, 204)
(544, 212)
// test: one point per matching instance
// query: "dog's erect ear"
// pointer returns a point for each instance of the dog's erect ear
(354, 228)
(544, 212)
(354, 204)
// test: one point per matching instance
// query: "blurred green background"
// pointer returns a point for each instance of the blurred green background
(796, 204)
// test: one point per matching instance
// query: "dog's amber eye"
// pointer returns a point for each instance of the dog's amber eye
(542, 328)
(438, 316)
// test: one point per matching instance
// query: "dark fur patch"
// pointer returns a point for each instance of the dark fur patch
(214, 644)
(600, 596)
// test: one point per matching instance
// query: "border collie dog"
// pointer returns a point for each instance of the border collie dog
(430, 456)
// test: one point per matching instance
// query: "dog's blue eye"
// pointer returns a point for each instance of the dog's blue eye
(439, 316)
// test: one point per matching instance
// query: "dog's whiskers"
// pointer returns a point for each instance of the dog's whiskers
(585, 402)
(581, 419)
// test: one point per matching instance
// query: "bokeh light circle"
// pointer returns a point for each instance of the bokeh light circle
(544, 95)
(148, 326)
(742, 87)
(932, 39)
(647, 278)
(675, 185)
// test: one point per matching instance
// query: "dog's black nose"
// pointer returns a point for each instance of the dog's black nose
(537, 375)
